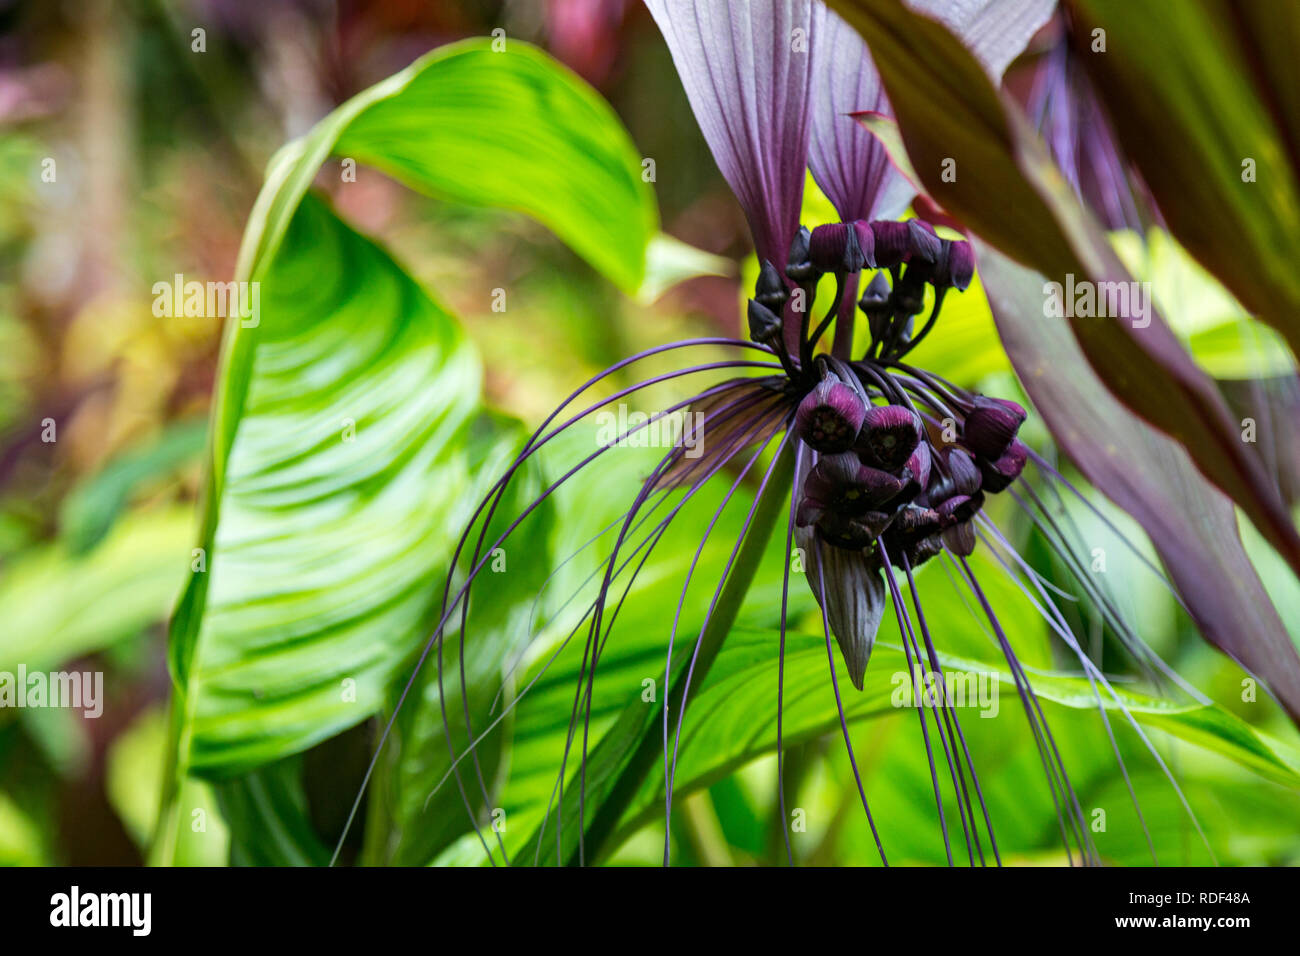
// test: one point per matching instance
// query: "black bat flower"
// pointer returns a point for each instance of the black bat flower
(886, 466)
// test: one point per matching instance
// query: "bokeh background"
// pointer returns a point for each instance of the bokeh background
(157, 154)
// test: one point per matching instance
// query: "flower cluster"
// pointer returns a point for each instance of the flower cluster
(879, 478)
(894, 463)
(891, 463)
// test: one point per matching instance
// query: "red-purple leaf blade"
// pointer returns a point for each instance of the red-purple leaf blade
(1219, 81)
(1192, 524)
(1007, 191)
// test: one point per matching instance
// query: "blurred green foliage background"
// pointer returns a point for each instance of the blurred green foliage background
(158, 152)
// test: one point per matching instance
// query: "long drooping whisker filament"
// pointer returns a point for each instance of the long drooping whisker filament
(536, 441)
(1057, 622)
(735, 443)
(648, 540)
(949, 714)
(647, 545)
(939, 386)
(670, 768)
(905, 633)
(593, 648)
(956, 724)
(1095, 676)
(1056, 478)
(536, 604)
(719, 414)
(884, 381)
(710, 418)
(1058, 785)
(758, 403)
(449, 607)
(722, 414)
(477, 565)
(662, 494)
(1053, 766)
(1055, 536)
(786, 560)
(839, 707)
(917, 392)
(654, 536)
(1038, 577)
(1150, 662)
(640, 356)
(534, 444)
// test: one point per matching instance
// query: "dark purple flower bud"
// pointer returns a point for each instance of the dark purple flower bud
(925, 245)
(809, 512)
(991, 425)
(866, 241)
(914, 522)
(924, 550)
(890, 433)
(961, 264)
(875, 305)
(910, 241)
(963, 473)
(876, 522)
(849, 532)
(770, 290)
(960, 477)
(956, 515)
(960, 538)
(1000, 473)
(914, 533)
(958, 509)
(953, 267)
(842, 484)
(843, 532)
(764, 324)
(830, 416)
(799, 267)
(834, 248)
(893, 242)
(876, 297)
(917, 470)
(853, 532)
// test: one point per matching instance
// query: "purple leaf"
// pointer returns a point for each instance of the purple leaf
(745, 65)
(849, 165)
(1064, 106)
(996, 31)
(1220, 83)
(1191, 523)
(1010, 194)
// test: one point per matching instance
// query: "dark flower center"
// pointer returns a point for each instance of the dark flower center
(869, 428)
